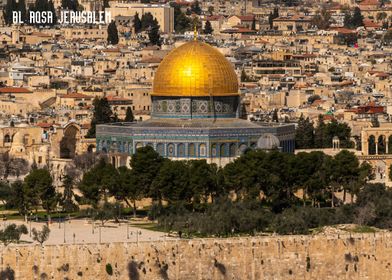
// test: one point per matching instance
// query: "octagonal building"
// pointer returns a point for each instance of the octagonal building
(195, 114)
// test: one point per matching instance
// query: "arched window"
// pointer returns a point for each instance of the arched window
(161, 149)
(214, 151)
(390, 144)
(372, 145)
(381, 145)
(191, 150)
(181, 150)
(202, 150)
(7, 138)
(171, 150)
(233, 150)
(222, 152)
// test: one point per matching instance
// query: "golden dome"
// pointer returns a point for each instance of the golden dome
(195, 69)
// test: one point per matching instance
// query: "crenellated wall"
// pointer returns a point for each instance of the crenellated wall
(361, 256)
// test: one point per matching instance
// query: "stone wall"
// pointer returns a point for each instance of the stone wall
(360, 256)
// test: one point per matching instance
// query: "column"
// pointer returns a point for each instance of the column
(386, 145)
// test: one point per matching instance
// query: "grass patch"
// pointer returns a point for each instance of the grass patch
(363, 229)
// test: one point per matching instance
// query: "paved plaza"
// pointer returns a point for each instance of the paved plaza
(84, 231)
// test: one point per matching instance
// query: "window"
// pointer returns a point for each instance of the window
(202, 150)
(170, 150)
(191, 150)
(181, 150)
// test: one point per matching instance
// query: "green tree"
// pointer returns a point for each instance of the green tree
(5, 192)
(172, 182)
(344, 171)
(387, 39)
(203, 181)
(98, 182)
(11, 6)
(72, 5)
(102, 114)
(322, 19)
(39, 182)
(353, 20)
(181, 22)
(112, 33)
(208, 28)
(137, 24)
(67, 199)
(195, 8)
(21, 7)
(129, 115)
(22, 198)
(154, 34)
(211, 10)
(12, 233)
(147, 21)
(127, 189)
(304, 135)
(41, 235)
(146, 156)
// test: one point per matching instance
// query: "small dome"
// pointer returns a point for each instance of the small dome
(195, 69)
(268, 142)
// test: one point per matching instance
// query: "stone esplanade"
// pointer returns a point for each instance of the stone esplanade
(357, 256)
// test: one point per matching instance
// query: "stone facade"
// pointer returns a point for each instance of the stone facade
(357, 256)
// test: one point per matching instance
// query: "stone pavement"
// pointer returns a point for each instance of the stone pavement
(83, 231)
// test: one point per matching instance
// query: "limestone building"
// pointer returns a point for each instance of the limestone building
(195, 114)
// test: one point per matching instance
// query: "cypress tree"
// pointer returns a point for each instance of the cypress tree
(137, 24)
(112, 33)
(21, 7)
(208, 28)
(129, 115)
(153, 34)
(9, 8)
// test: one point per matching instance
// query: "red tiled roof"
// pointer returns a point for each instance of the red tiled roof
(14, 90)
(44, 125)
(343, 30)
(370, 24)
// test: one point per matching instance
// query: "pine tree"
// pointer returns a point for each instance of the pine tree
(147, 21)
(271, 20)
(9, 8)
(102, 114)
(153, 34)
(208, 28)
(357, 19)
(253, 24)
(137, 24)
(112, 33)
(129, 115)
(195, 8)
(53, 10)
(304, 135)
(21, 7)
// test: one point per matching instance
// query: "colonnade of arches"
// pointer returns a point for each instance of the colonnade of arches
(181, 150)
(379, 145)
